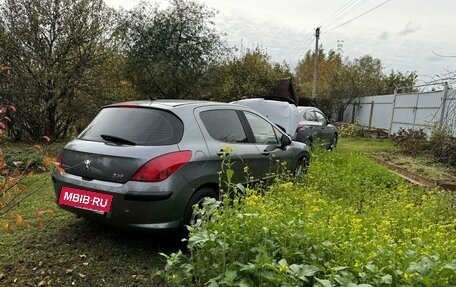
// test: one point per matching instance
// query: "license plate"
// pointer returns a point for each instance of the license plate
(84, 199)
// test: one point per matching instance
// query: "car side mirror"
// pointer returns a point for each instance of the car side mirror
(285, 141)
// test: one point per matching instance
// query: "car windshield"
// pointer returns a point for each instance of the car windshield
(141, 126)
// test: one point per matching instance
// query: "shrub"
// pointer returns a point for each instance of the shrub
(411, 141)
(349, 130)
(440, 146)
(443, 146)
(16, 185)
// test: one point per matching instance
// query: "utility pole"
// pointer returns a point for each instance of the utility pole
(314, 84)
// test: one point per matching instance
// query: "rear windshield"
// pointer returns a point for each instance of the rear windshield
(141, 126)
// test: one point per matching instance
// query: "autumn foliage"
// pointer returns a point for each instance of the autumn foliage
(17, 181)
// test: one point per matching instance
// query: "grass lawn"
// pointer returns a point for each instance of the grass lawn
(348, 222)
(388, 151)
(58, 249)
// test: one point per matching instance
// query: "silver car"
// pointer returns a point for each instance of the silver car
(313, 126)
(143, 165)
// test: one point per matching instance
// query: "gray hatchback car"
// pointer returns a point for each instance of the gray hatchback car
(314, 125)
(143, 165)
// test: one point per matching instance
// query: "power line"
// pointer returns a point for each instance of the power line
(309, 37)
(302, 43)
(444, 56)
(337, 15)
(348, 7)
(353, 6)
(353, 19)
(298, 48)
(303, 51)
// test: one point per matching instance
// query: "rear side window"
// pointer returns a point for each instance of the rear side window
(224, 125)
(321, 118)
(310, 116)
(139, 125)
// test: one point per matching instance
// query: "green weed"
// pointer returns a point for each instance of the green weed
(348, 222)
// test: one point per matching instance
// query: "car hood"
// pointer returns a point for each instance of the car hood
(280, 113)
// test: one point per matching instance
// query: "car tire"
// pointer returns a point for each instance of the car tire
(197, 198)
(301, 167)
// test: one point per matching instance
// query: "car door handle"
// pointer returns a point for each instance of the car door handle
(266, 153)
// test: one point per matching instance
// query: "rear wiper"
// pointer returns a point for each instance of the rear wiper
(116, 140)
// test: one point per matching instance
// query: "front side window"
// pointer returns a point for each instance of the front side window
(321, 118)
(262, 130)
(224, 125)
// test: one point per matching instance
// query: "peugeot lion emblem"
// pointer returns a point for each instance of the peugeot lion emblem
(87, 164)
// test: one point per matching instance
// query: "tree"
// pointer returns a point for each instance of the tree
(341, 82)
(252, 75)
(51, 46)
(347, 86)
(171, 50)
(106, 83)
(364, 76)
(394, 80)
(328, 66)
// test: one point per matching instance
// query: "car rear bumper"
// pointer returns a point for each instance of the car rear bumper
(107, 219)
(146, 210)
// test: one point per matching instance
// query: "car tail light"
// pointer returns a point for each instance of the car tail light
(160, 168)
(299, 127)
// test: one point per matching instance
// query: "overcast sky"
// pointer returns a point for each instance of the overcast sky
(403, 34)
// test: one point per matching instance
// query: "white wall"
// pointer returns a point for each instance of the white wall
(408, 110)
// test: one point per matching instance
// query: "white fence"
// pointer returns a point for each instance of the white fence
(408, 111)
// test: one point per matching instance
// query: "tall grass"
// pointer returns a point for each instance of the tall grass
(347, 222)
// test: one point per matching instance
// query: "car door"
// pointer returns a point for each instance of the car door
(324, 133)
(226, 137)
(273, 159)
(308, 127)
